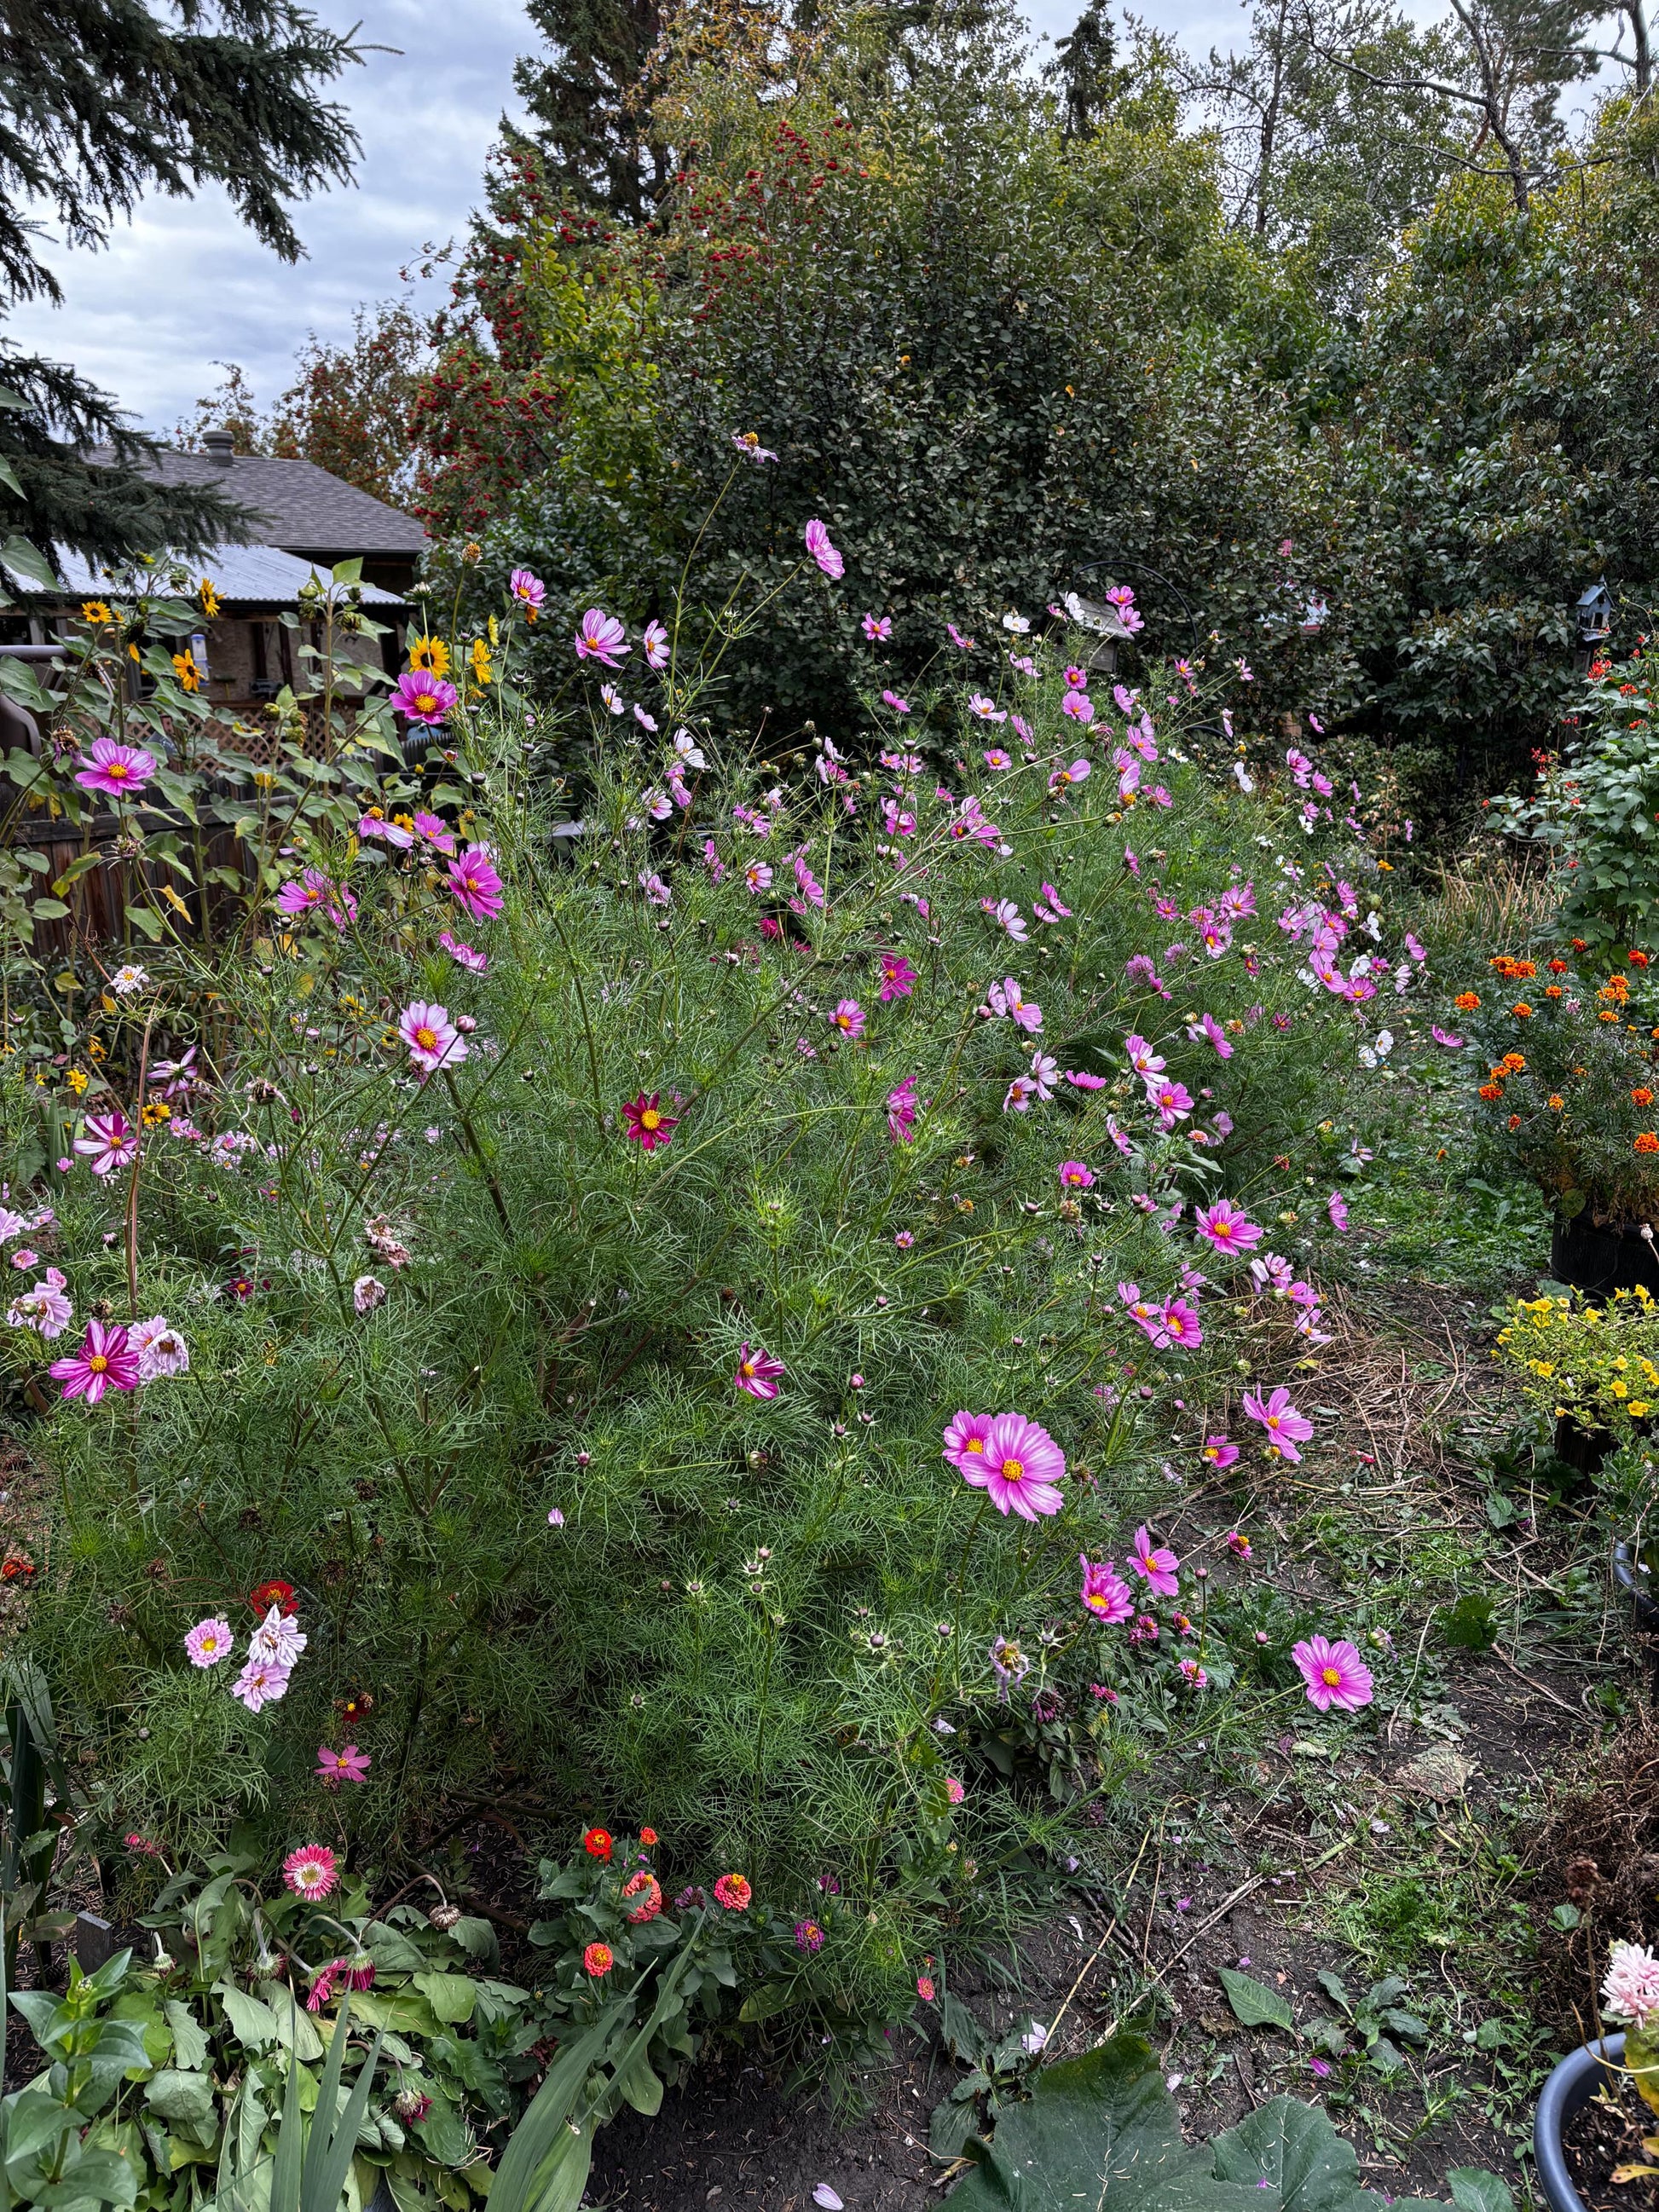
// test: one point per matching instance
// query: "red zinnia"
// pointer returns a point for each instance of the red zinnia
(647, 1125)
(597, 1843)
(279, 1594)
(646, 1888)
(597, 1959)
(648, 1837)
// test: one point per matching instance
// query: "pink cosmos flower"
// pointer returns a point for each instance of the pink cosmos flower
(904, 1240)
(849, 1018)
(1226, 1228)
(898, 977)
(119, 769)
(44, 1307)
(1104, 1592)
(1238, 1544)
(1078, 705)
(1146, 1063)
(1444, 1036)
(1285, 1427)
(1220, 1451)
(1157, 1566)
(210, 1643)
(262, 1682)
(432, 1039)
(757, 1372)
(878, 627)
(1336, 1206)
(984, 710)
(1181, 1324)
(1193, 1675)
(1006, 998)
(110, 1141)
(819, 545)
(1334, 1673)
(963, 644)
(311, 890)
(1021, 1464)
(657, 649)
(1074, 1176)
(657, 892)
(529, 590)
(1077, 679)
(391, 833)
(160, 1349)
(898, 705)
(1173, 1101)
(901, 1106)
(1062, 778)
(473, 880)
(1208, 1027)
(1630, 1991)
(600, 637)
(466, 954)
(347, 1765)
(311, 1871)
(996, 758)
(965, 1436)
(420, 696)
(806, 883)
(757, 876)
(106, 1361)
(647, 1125)
(1005, 912)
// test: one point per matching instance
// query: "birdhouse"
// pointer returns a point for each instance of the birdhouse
(1595, 612)
(1106, 626)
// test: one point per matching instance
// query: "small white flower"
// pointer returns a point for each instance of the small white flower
(126, 980)
(1017, 623)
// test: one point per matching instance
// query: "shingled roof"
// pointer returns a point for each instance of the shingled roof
(295, 505)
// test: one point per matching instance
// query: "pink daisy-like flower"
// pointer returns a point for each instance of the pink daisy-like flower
(529, 590)
(965, 1436)
(600, 637)
(955, 1791)
(757, 1372)
(849, 1018)
(891, 699)
(347, 1765)
(1336, 1206)
(818, 544)
(1630, 1991)
(732, 1892)
(1227, 1228)
(432, 1039)
(160, 1349)
(374, 824)
(924, 1989)
(1074, 1176)
(110, 1141)
(121, 770)
(106, 1361)
(1285, 1427)
(1078, 705)
(985, 710)
(1155, 1563)
(997, 759)
(1193, 1675)
(465, 956)
(1181, 1323)
(210, 1643)
(472, 880)
(904, 1240)
(1220, 1451)
(44, 1307)
(647, 1125)
(262, 1682)
(902, 1108)
(1334, 1673)
(433, 830)
(878, 627)
(898, 977)
(657, 648)
(1238, 1544)
(305, 894)
(1104, 1592)
(1020, 1467)
(420, 696)
(311, 1871)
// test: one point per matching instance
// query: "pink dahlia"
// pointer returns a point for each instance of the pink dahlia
(1104, 1592)
(964, 1439)
(1226, 1227)
(420, 696)
(117, 769)
(110, 1141)
(1285, 1427)
(1155, 1563)
(757, 1372)
(647, 1125)
(472, 878)
(1334, 1673)
(433, 1041)
(529, 590)
(208, 1643)
(1020, 1467)
(600, 637)
(819, 545)
(311, 1871)
(106, 1361)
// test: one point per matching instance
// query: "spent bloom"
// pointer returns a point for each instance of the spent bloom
(43, 1307)
(208, 1643)
(160, 1349)
(1020, 1466)
(1334, 1674)
(757, 1372)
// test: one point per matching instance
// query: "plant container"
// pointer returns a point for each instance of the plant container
(1601, 1259)
(1634, 1572)
(1579, 2078)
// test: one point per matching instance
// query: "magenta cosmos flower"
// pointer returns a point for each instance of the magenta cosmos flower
(106, 1361)
(849, 1018)
(110, 1141)
(1104, 1592)
(420, 696)
(878, 627)
(819, 545)
(114, 768)
(1220, 1451)
(473, 879)
(1226, 1227)
(1074, 1176)
(601, 637)
(529, 590)
(898, 977)
(1334, 1673)
(1155, 1563)
(1285, 1427)
(647, 1125)
(311, 1871)
(757, 1372)
(1020, 1466)
(433, 1041)
(346, 1764)
(964, 1439)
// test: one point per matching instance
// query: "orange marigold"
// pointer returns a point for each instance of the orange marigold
(1558, 967)
(1607, 1014)
(1557, 1101)
(1513, 1063)
(1552, 990)
(1466, 1002)
(1579, 944)
(1492, 1091)
(1637, 959)
(1521, 1010)
(1642, 1096)
(1647, 1142)
(1515, 1121)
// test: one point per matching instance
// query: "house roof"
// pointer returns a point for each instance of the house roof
(241, 575)
(294, 504)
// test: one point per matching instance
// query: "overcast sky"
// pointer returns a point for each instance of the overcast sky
(184, 286)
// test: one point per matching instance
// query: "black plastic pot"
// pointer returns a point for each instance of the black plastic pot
(1632, 1575)
(1615, 1256)
(1577, 2079)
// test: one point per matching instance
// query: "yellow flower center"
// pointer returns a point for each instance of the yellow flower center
(1012, 1470)
(748, 1369)
(974, 1444)
(426, 1039)
(1333, 1675)
(651, 1119)
(97, 1364)
(117, 769)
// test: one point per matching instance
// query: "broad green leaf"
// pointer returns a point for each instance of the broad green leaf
(251, 2022)
(176, 2095)
(1254, 2003)
(770, 1997)
(26, 560)
(949, 2125)
(1293, 2149)
(1101, 2133)
(146, 919)
(8, 478)
(536, 2141)
(452, 1996)
(1474, 2189)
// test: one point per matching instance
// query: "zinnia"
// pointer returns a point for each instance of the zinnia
(1630, 1991)
(597, 1959)
(208, 1643)
(734, 1892)
(1334, 1673)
